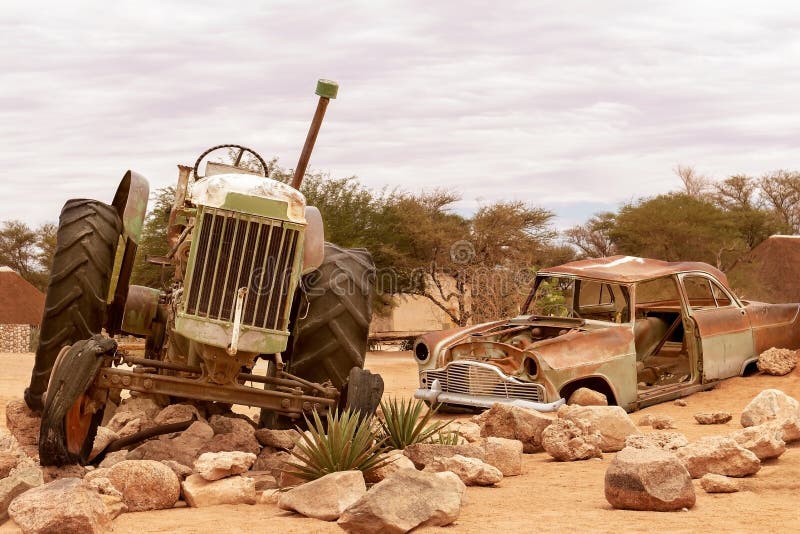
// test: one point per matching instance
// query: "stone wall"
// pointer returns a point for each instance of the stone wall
(15, 338)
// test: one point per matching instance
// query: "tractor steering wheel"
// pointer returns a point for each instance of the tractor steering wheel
(237, 160)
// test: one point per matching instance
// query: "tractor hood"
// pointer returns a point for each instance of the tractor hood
(251, 194)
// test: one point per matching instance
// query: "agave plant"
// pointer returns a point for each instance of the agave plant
(446, 438)
(403, 424)
(344, 442)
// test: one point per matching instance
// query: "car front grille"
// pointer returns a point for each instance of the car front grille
(236, 250)
(481, 379)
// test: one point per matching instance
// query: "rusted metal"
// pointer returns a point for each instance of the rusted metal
(141, 308)
(326, 90)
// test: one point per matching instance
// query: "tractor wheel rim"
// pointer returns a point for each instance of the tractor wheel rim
(78, 422)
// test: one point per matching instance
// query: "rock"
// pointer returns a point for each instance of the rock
(404, 501)
(52, 472)
(668, 441)
(145, 484)
(770, 404)
(777, 362)
(217, 465)
(263, 480)
(139, 405)
(720, 455)
(648, 479)
(112, 498)
(512, 422)
(327, 497)
(64, 505)
(471, 471)
(277, 439)
(232, 490)
(679, 402)
(102, 439)
(789, 428)
(127, 424)
(712, 418)
(712, 483)
(662, 422)
(470, 431)
(270, 496)
(613, 424)
(646, 420)
(22, 423)
(587, 397)
(8, 461)
(180, 470)
(232, 424)
(114, 458)
(272, 461)
(177, 413)
(18, 481)
(232, 441)
(101, 472)
(567, 440)
(398, 461)
(504, 454)
(182, 449)
(424, 453)
(765, 440)
(287, 479)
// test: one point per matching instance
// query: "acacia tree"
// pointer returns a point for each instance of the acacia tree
(592, 239)
(28, 251)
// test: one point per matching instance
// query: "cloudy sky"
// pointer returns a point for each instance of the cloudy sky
(574, 106)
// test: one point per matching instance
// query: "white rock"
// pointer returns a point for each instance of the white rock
(217, 465)
(232, 490)
(471, 471)
(327, 497)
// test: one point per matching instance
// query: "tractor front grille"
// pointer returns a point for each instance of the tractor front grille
(481, 379)
(236, 250)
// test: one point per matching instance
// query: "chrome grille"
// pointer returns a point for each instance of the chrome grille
(236, 250)
(481, 379)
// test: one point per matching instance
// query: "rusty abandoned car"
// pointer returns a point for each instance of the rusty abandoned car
(252, 280)
(640, 331)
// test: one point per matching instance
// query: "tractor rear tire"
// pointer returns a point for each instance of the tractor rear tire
(75, 305)
(331, 323)
(330, 337)
(72, 412)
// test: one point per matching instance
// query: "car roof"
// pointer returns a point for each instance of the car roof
(630, 269)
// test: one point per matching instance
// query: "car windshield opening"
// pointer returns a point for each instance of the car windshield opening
(562, 296)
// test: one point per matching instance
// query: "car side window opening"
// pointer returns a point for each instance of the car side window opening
(662, 357)
(703, 293)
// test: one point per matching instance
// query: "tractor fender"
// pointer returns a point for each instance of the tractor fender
(131, 203)
(314, 244)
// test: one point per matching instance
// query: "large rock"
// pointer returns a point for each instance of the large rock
(8, 461)
(648, 479)
(567, 440)
(423, 453)
(22, 423)
(769, 405)
(52, 472)
(777, 362)
(139, 405)
(668, 441)
(232, 423)
(217, 465)
(468, 430)
(587, 397)
(396, 461)
(177, 413)
(145, 484)
(471, 471)
(114, 458)
(231, 434)
(504, 454)
(133, 415)
(277, 439)
(713, 418)
(103, 438)
(232, 490)
(182, 449)
(719, 455)
(406, 500)
(512, 422)
(712, 483)
(273, 461)
(18, 481)
(64, 505)
(613, 424)
(765, 440)
(327, 497)
(789, 428)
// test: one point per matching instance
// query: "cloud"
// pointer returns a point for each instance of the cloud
(570, 106)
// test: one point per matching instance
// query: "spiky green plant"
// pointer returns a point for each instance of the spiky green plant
(446, 438)
(344, 442)
(403, 424)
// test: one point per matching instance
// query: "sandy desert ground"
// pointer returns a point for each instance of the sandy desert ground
(550, 496)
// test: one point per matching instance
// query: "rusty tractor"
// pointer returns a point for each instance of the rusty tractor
(253, 280)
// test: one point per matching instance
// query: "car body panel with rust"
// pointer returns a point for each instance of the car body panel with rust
(640, 331)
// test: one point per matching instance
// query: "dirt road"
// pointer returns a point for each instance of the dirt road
(550, 496)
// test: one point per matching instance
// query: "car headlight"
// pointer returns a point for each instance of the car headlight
(531, 366)
(421, 352)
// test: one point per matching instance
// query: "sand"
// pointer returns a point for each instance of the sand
(550, 496)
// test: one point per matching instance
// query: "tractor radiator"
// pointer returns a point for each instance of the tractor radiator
(236, 250)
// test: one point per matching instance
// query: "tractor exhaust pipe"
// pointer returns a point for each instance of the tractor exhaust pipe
(326, 89)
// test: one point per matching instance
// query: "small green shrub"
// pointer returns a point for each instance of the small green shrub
(342, 443)
(446, 438)
(403, 424)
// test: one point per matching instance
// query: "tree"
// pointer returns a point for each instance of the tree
(695, 184)
(592, 239)
(675, 227)
(781, 192)
(28, 251)
(153, 241)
